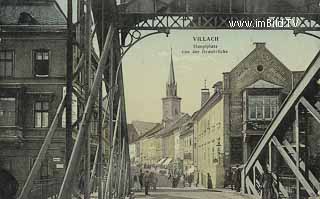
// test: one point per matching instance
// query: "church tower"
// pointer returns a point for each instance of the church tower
(171, 103)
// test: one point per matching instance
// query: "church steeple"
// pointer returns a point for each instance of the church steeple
(171, 103)
(171, 84)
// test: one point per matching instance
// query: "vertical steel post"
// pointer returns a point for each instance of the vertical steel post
(111, 117)
(112, 146)
(69, 76)
(76, 152)
(100, 148)
(126, 182)
(87, 52)
(270, 157)
(93, 173)
(101, 119)
(121, 170)
(296, 131)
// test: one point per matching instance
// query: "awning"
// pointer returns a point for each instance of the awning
(167, 162)
(162, 160)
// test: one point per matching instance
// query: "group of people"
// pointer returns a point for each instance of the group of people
(183, 179)
(145, 180)
(233, 178)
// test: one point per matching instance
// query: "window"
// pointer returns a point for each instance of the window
(6, 63)
(7, 111)
(41, 114)
(262, 107)
(41, 63)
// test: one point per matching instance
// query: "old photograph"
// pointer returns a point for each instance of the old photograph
(159, 99)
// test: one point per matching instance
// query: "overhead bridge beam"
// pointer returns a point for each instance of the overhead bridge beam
(269, 21)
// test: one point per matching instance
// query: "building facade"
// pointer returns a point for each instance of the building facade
(253, 92)
(187, 147)
(230, 123)
(137, 131)
(32, 78)
(210, 146)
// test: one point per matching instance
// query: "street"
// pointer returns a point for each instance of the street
(191, 194)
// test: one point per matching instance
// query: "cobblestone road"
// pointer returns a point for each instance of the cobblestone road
(191, 194)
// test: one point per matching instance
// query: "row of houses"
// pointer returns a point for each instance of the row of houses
(226, 128)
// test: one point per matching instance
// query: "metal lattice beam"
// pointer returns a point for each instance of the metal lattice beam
(141, 21)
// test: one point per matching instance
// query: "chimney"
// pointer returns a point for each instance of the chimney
(205, 94)
(260, 44)
(217, 87)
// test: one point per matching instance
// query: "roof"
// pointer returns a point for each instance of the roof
(142, 127)
(213, 100)
(263, 84)
(259, 46)
(32, 13)
(174, 125)
(152, 131)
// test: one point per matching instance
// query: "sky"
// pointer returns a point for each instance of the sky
(146, 65)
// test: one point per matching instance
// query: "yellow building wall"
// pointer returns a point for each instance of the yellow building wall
(210, 146)
(186, 146)
(168, 146)
(150, 151)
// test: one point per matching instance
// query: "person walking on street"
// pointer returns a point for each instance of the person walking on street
(155, 182)
(183, 180)
(238, 179)
(267, 189)
(141, 179)
(136, 183)
(146, 180)
(233, 179)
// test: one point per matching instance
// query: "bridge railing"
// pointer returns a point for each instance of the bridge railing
(287, 142)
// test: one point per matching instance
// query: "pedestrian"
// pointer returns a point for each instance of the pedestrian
(136, 183)
(190, 179)
(173, 181)
(81, 182)
(141, 178)
(146, 180)
(238, 179)
(228, 178)
(183, 180)
(267, 189)
(233, 179)
(209, 181)
(155, 182)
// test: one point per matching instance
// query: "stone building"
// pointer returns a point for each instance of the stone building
(210, 145)
(32, 77)
(253, 92)
(230, 123)
(187, 146)
(137, 130)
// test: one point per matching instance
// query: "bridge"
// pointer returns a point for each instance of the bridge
(114, 23)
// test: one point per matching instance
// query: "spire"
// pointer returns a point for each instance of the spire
(171, 79)
(171, 84)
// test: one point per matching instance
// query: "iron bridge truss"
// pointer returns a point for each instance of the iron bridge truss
(156, 21)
